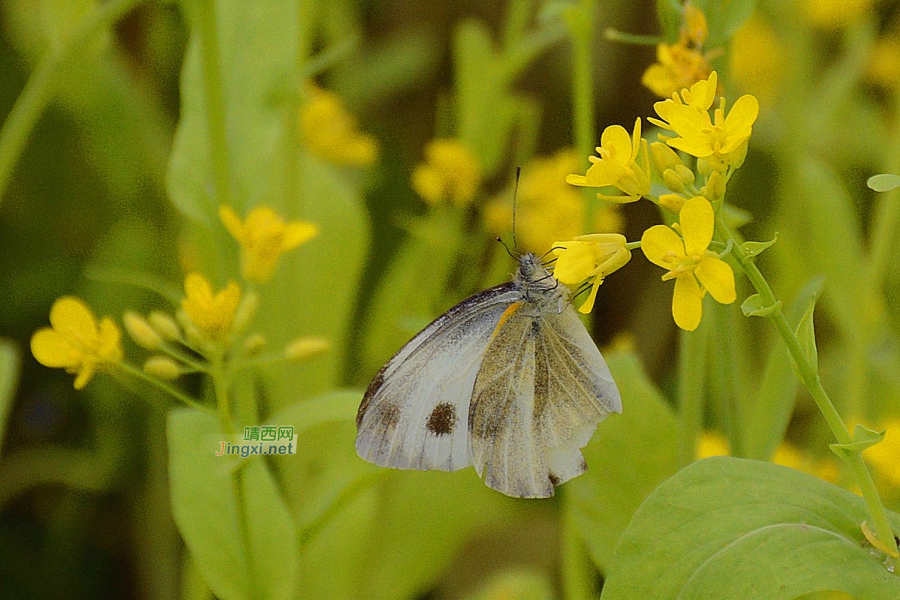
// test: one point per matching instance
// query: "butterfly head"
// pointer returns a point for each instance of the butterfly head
(534, 277)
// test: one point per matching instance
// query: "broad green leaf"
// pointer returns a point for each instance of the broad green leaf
(743, 530)
(884, 182)
(754, 306)
(257, 55)
(863, 438)
(629, 456)
(754, 249)
(314, 290)
(412, 291)
(9, 378)
(767, 419)
(337, 406)
(209, 503)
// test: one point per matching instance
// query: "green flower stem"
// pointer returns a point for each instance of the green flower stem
(220, 378)
(174, 392)
(691, 393)
(40, 86)
(216, 114)
(183, 357)
(615, 35)
(580, 21)
(810, 378)
(577, 579)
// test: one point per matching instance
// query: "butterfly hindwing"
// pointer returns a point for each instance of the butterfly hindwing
(414, 414)
(542, 390)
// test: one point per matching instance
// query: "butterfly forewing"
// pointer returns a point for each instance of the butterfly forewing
(414, 413)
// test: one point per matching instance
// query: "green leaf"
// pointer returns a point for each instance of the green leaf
(257, 56)
(743, 530)
(754, 249)
(806, 334)
(768, 418)
(629, 456)
(884, 182)
(9, 378)
(209, 503)
(863, 438)
(754, 306)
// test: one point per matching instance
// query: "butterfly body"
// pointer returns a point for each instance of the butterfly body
(507, 380)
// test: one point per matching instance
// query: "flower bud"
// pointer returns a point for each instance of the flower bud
(673, 181)
(304, 348)
(685, 174)
(140, 331)
(164, 325)
(672, 202)
(162, 367)
(253, 344)
(715, 189)
(663, 157)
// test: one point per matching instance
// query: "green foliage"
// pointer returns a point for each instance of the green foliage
(9, 376)
(741, 529)
(640, 440)
(211, 507)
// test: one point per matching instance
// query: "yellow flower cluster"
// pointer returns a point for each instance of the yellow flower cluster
(330, 132)
(450, 174)
(209, 324)
(680, 64)
(719, 143)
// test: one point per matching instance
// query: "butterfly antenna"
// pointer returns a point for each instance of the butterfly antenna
(515, 201)
(508, 251)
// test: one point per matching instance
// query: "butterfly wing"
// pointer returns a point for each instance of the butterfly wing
(414, 413)
(542, 389)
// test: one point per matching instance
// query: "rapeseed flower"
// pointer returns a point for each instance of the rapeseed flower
(264, 236)
(212, 313)
(617, 165)
(590, 257)
(76, 341)
(680, 64)
(450, 174)
(695, 269)
(329, 131)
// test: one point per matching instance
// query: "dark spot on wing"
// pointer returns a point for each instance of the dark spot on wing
(442, 419)
(373, 388)
(388, 415)
(554, 480)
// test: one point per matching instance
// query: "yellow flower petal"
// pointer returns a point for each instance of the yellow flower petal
(575, 263)
(740, 120)
(85, 373)
(588, 305)
(71, 315)
(232, 222)
(52, 350)
(636, 138)
(617, 142)
(110, 346)
(579, 180)
(717, 278)
(687, 302)
(697, 221)
(662, 246)
(296, 233)
(604, 173)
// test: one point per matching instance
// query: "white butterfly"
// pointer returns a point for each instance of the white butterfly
(508, 380)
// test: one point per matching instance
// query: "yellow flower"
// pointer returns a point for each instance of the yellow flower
(329, 131)
(695, 269)
(884, 62)
(758, 59)
(617, 165)
(835, 14)
(212, 313)
(712, 443)
(885, 456)
(547, 208)
(264, 237)
(682, 63)
(450, 173)
(723, 139)
(787, 455)
(76, 342)
(590, 257)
